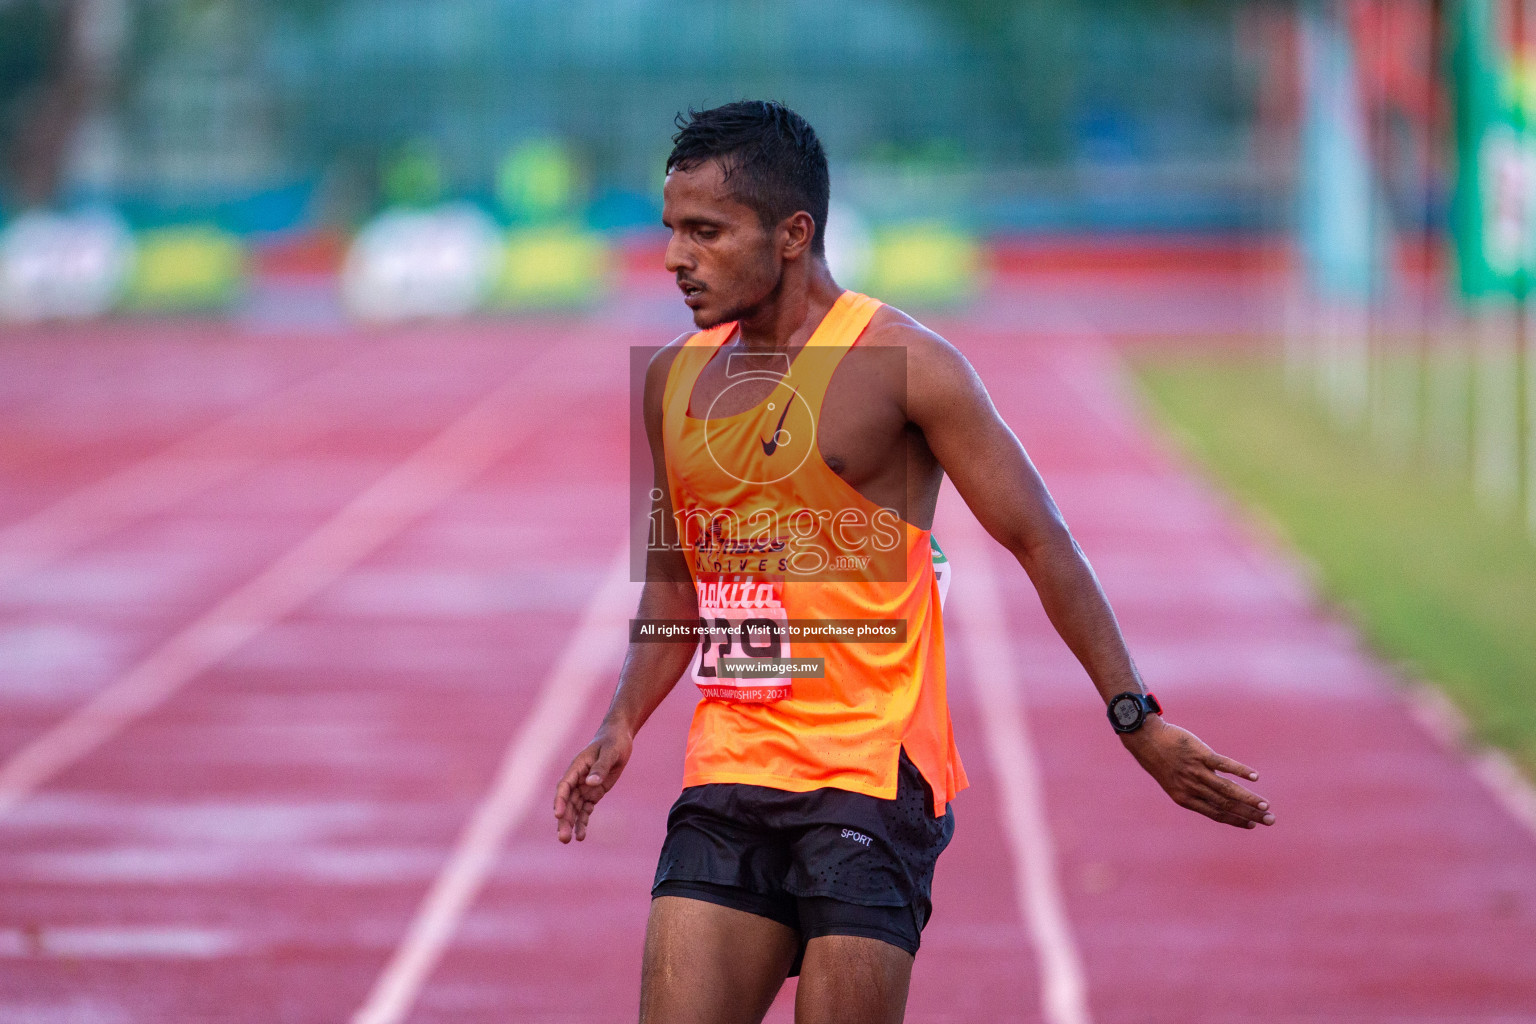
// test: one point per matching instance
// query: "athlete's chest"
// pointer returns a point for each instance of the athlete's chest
(847, 407)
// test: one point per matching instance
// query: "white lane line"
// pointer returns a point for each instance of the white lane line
(176, 473)
(1430, 708)
(118, 942)
(1434, 712)
(594, 650)
(1497, 771)
(432, 473)
(977, 604)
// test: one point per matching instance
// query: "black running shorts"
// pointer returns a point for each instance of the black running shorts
(827, 862)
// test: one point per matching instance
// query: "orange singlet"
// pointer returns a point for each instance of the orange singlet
(770, 532)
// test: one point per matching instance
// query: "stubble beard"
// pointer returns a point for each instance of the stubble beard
(748, 310)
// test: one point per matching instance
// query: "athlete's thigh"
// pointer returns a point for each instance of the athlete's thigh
(708, 964)
(849, 979)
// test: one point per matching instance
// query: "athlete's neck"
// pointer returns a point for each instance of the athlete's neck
(787, 319)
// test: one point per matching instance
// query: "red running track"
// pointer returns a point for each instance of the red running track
(259, 842)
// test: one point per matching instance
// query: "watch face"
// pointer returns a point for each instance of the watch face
(1126, 711)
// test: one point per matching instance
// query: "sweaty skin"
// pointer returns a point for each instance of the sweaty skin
(892, 436)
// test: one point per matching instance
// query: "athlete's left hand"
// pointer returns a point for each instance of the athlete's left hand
(1187, 770)
(592, 773)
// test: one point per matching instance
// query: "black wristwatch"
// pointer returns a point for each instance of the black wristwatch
(1128, 710)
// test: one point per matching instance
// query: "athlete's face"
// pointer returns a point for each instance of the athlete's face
(726, 263)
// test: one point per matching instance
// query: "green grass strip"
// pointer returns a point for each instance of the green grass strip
(1431, 579)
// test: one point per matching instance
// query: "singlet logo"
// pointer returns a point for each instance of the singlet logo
(857, 837)
(772, 444)
(719, 443)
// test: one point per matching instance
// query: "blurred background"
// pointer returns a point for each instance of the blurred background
(237, 147)
(1302, 233)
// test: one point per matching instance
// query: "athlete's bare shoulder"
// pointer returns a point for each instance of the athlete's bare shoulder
(660, 366)
(890, 326)
(936, 371)
(656, 373)
(662, 358)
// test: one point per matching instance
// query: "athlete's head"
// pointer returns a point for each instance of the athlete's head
(746, 194)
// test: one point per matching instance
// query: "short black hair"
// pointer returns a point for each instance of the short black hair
(769, 154)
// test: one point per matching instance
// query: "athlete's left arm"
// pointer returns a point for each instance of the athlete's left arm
(993, 473)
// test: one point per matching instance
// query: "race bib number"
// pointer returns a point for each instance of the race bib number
(743, 621)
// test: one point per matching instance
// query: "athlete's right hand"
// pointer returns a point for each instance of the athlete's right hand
(1187, 770)
(592, 773)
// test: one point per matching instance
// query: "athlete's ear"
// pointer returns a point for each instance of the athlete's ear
(796, 232)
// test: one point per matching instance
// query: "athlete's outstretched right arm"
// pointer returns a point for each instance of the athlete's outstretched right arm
(650, 669)
(1001, 487)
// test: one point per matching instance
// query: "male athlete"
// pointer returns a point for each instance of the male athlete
(796, 469)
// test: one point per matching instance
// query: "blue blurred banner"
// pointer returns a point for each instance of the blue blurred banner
(1334, 183)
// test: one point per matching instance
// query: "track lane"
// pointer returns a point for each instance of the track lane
(411, 489)
(979, 633)
(1393, 887)
(595, 650)
(349, 742)
(275, 421)
(73, 625)
(256, 848)
(79, 404)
